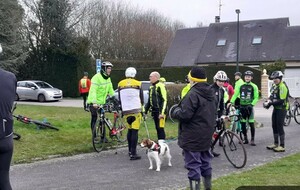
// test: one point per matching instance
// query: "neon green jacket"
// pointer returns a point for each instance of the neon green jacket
(248, 93)
(100, 89)
(238, 84)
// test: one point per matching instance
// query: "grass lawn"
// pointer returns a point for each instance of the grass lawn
(283, 172)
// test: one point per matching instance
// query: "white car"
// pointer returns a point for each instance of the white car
(37, 90)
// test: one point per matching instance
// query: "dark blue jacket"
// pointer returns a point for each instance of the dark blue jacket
(196, 115)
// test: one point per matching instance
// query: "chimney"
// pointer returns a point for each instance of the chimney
(217, 19)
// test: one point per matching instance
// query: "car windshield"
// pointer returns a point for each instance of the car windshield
(42, 84)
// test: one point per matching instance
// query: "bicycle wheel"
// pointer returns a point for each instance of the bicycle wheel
(297, 114)
(287, 119)
(98, 136)
(44, 125)
(171, 110)
(234, 149)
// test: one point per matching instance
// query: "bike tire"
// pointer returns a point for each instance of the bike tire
(45, 125)
(170, 111)
(234, 149)
(287, 118)
(16, 136)
(297, 114)
(98, 137)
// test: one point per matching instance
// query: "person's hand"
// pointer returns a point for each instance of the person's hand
(144, 115)
(161, 116)
(95, 105)
(266, 104)
(228, 105)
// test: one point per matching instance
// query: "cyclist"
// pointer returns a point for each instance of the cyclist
(157, 102)
(84, 87)
(196, 115)
(248, 93)
(101, 87)
(132, 100)
(8, 85)
(279, 100)
(219, 79)
(238, 82)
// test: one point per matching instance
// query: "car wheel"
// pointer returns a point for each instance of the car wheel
(41, 98)
(17, 97)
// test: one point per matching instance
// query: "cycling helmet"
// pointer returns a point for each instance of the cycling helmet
(221, 76)
(248, 73)
(238, 74)
(105, 65)
(85, 74)
(130, 72)
(276, 75)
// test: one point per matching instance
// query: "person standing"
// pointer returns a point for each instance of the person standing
(101, 87)
(238, 82)
(279, 100)
(157, 102)
(248, 93)
(219, 79)
(8, 85)
(196, 115)
(84, 88)
(131, 100)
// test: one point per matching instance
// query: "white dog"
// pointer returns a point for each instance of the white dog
(157, 152)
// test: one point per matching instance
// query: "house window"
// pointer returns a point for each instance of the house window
(221, 42)
(256, 40)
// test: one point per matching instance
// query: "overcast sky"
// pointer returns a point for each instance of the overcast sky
(191, 12)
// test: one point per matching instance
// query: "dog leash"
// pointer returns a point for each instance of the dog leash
(145, 124)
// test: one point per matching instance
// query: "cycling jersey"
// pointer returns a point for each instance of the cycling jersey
(279, 93)
(99, 90)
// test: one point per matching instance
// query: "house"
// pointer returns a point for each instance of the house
(260, 42)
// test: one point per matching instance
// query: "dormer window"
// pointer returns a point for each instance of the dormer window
(256, 40)
(221, 42)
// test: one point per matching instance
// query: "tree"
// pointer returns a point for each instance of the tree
(278, 65)
(11, 38)
(55, 55)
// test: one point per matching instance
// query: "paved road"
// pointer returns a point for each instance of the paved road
(108, 170)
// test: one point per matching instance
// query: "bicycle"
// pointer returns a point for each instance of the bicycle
(233, 147)
(296, 110)
(27, 120)
(116, 129)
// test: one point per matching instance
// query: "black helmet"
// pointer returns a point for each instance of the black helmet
(276, 75)
(249, 73)
(238, 74)
(85, 74)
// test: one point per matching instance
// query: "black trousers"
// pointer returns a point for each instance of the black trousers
(6, 152)
(84, 96)
(278, 116)
(159, 130)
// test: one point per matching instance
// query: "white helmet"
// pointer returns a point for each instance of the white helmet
(130, 72)
(221, 76)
